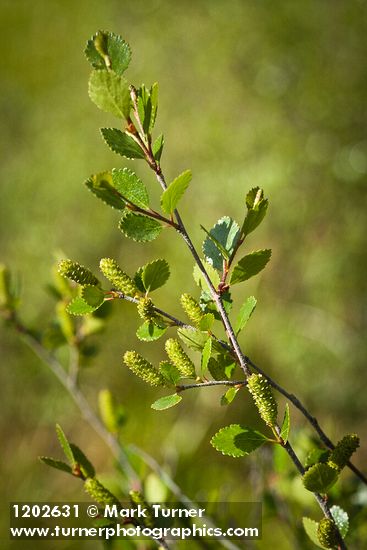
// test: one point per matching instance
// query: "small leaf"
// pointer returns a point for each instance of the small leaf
(199, 277)
(228, 397)
(101, 186)
(170, 372)
(110, 92)
(106, 49)
(316, 455)
(65, 445)
(237, 440)
(148, 332)
(221, 241)
(154, 102)
(82, 461)
(157, 147)
(256, 210)
(127, 183)
(166, 402)
(250, 265)
(195, 339)
(57, 464)
(284, 432)
(155, 274)
(245, 313)
(121, 143)
(341, 519)
(206, 322)
(139, 228)
(175, 191)
(93, 295)
(310, 526)
(320, 478)
(205, 356)
(78, 306)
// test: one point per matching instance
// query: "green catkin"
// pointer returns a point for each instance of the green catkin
(120, 280)
(142, 368)
(344, 449)
(99, 493)
(146, 309)
(263, 396)
(192, 308)
(137, 498)
(327, 533)
(179, 358)
(78, 273)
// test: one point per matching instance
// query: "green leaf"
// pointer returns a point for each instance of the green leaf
(206, 322)
(78, 306)
(228, 397)
(205, 356)
(175, 191)
(121, 143)
(196, 340)
(127, 183)
(154, 101)
(320, 478)
(65, 445)
(93, 295)
(139, 228)
(237, 440)
(310, 526)
(256, 210)
(57, 464)
(250, 265)
(316, 455)
(247, 309)
(284, 432)
(82, 461)
(101, 186)
(110, 93)
(106, 49)
(221, 241)
(155, 274)
(170, 372)
(199, 277)
(341, 519)
(157, 147)
(166, 402)
(148, 332)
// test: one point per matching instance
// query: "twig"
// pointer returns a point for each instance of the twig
(183, 387)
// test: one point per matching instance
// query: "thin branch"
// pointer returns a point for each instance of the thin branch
(183, 387)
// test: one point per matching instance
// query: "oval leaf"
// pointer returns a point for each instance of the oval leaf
(57, 464)
(78, 306)
(320, 478)
(127, 183)
(65, 445)
(247, 309)
(121, 143)
(166, 402)
(106, 49)
(310, 526)
(170, 372)
(139, 228)
(221, 241)
(175, 191)
(205, 356)
(101, 186)
(93, 295)
(228, 397)
(148, 332)
(110, 92)
(284, 432)
(250, 265)
(341, 519)
(155, 274)
(236, 440)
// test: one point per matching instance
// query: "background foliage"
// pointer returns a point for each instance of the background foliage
(266, 93)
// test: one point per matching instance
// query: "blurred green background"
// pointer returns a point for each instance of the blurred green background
(251, 93)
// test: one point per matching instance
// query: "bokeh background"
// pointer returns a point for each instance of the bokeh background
(251, 93)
